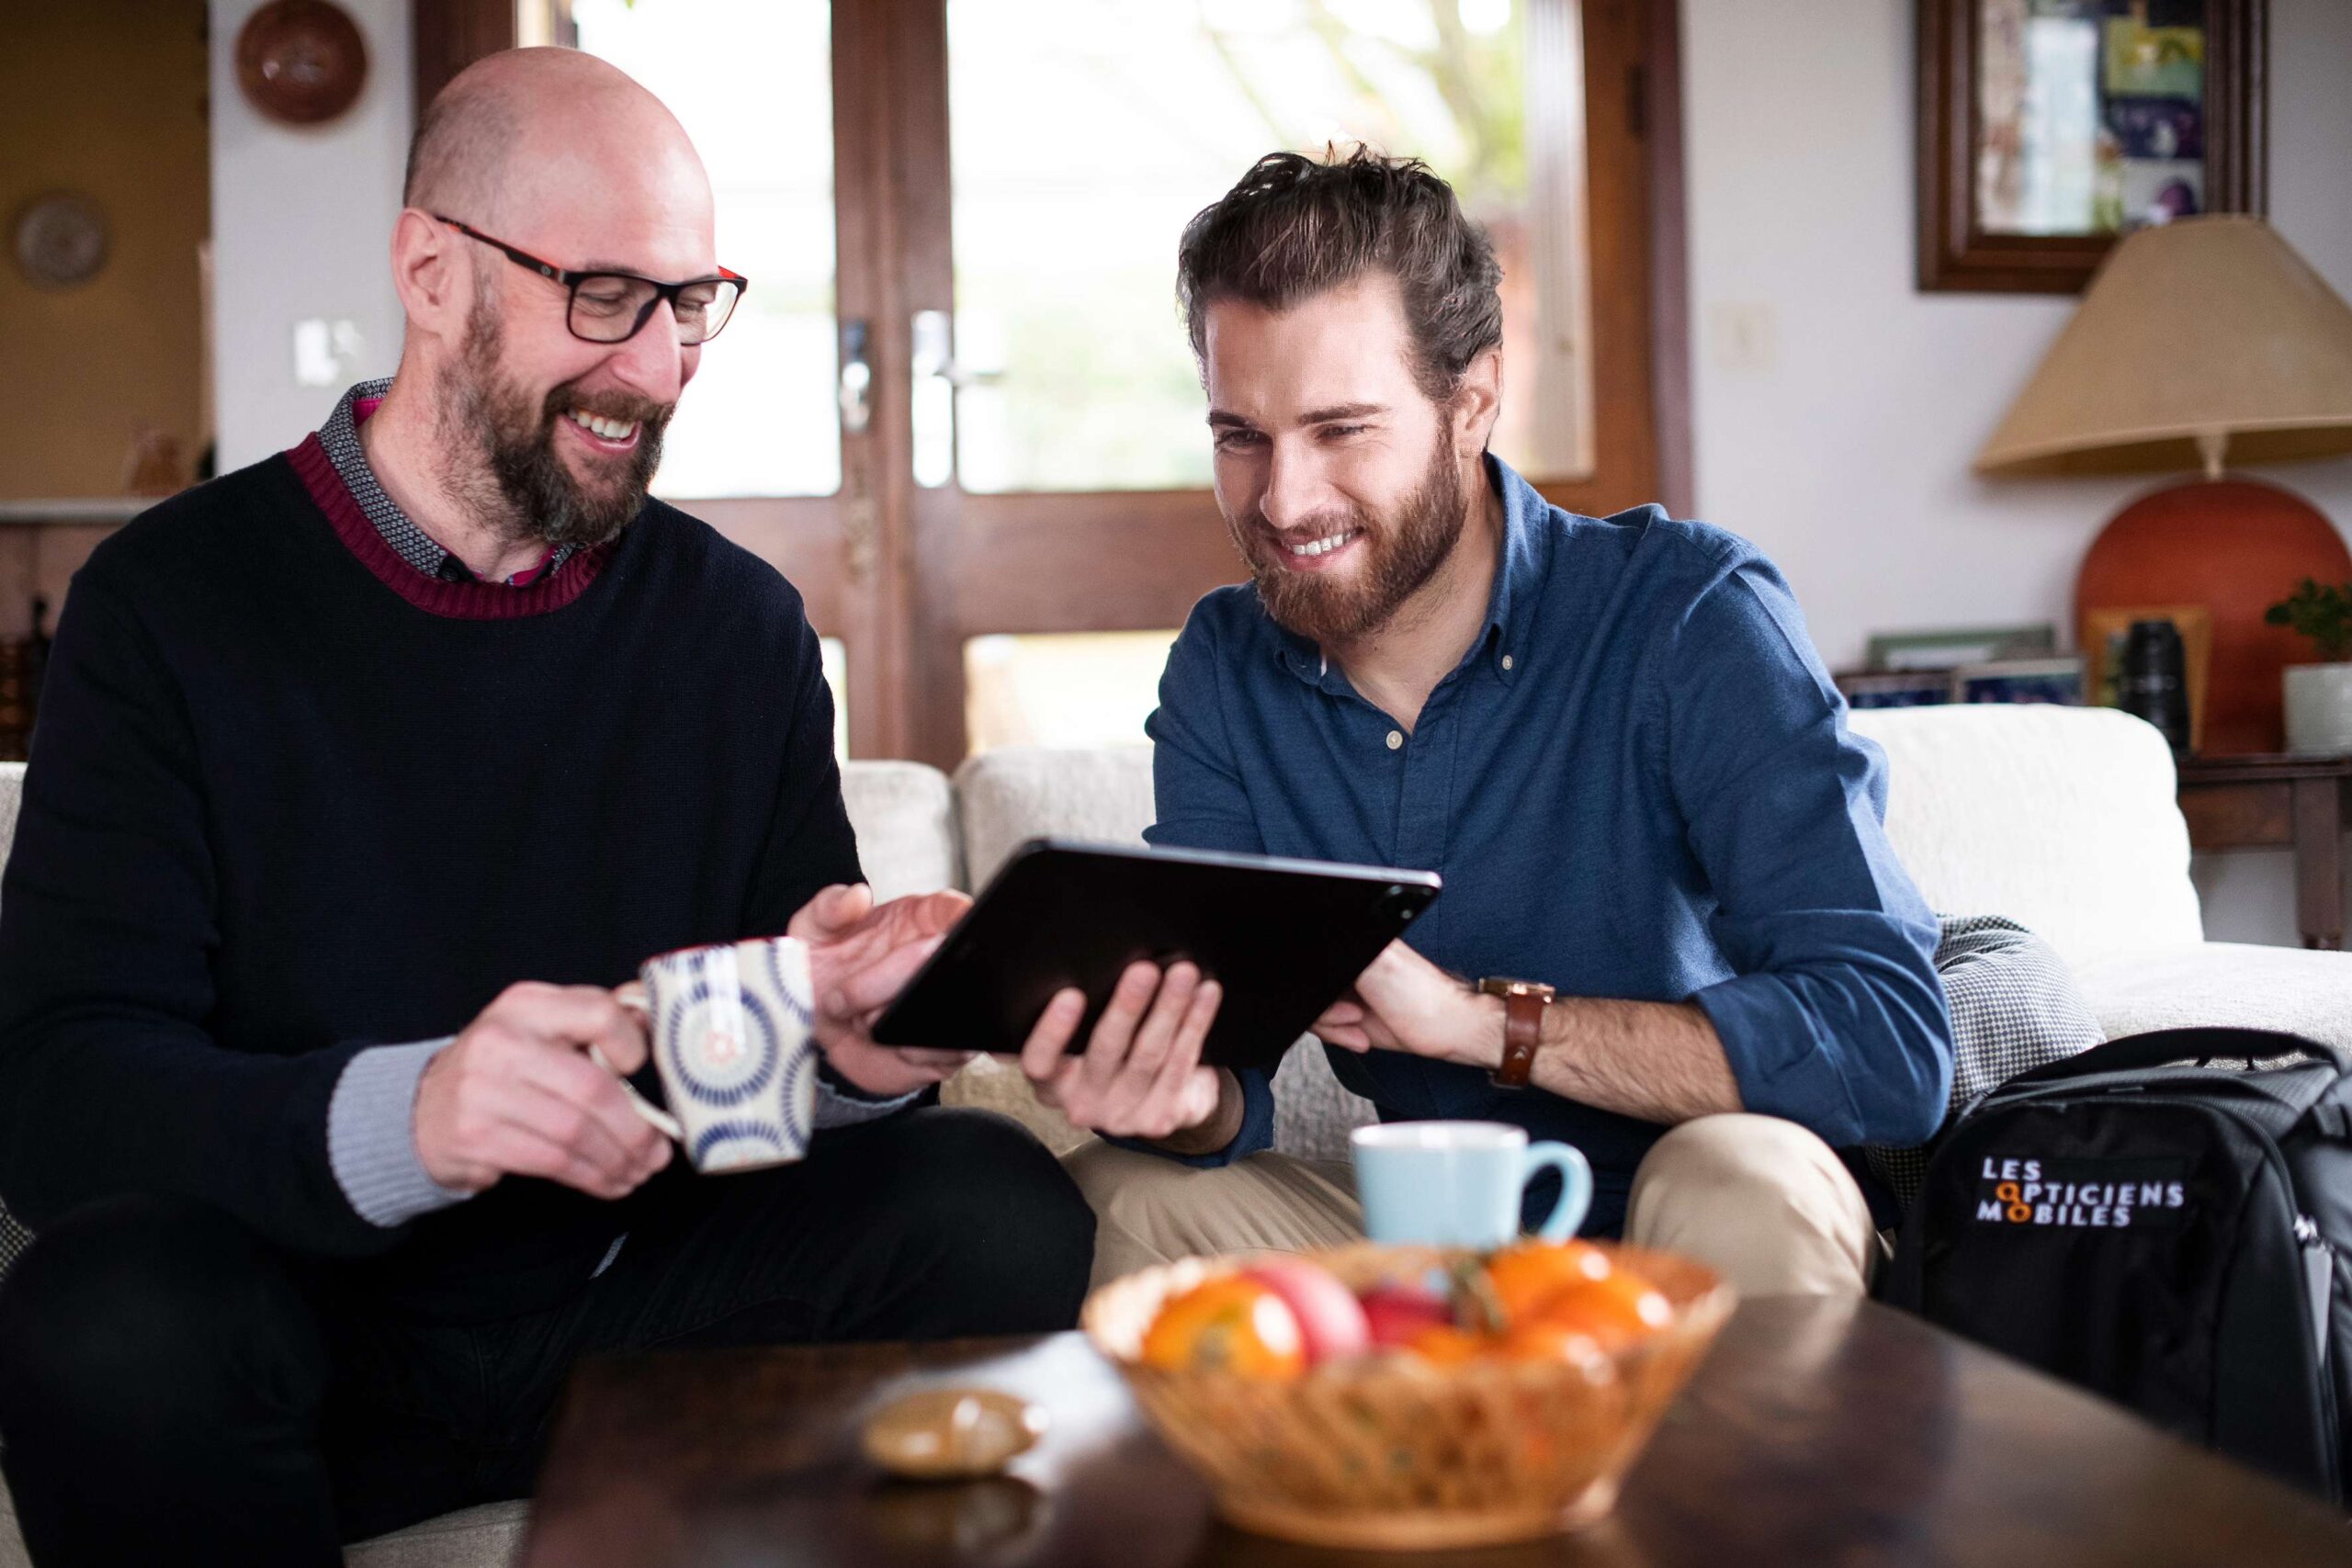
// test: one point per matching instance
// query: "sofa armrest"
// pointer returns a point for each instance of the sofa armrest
(2222, 983)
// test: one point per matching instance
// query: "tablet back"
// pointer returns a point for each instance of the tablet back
(1285, 938)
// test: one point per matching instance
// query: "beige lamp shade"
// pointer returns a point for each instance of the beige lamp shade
(2200, 338)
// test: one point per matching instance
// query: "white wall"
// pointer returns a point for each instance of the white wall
(301, 228)
(1838, 409)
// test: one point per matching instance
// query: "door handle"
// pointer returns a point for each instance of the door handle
(856, 389)
(934, 353)
(937, 379)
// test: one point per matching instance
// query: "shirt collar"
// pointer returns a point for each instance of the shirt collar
(1501, 644)
(340, 437)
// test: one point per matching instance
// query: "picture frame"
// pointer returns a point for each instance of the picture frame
(2178, 90)
(2059, 680)
(1866, 688)
(1949, 649)
(2103, 631)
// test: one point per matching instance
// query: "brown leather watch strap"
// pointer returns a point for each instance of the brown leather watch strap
(1523, 1005)
(1522, 1031)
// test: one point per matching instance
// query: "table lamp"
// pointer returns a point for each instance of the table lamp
(2199, 343)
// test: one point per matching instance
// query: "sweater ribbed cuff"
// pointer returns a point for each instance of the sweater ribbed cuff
(371, 1136)
(841, 1103)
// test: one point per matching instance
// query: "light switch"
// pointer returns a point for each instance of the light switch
(1743, 335)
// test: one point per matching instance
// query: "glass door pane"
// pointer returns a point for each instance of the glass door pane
(1085, 133)
(1061, 688)
(752, 81)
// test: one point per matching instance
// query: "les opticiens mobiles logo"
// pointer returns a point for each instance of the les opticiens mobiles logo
(2082, 1194)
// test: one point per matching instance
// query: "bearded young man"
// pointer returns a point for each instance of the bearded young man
(362, 772)
(1611, 735)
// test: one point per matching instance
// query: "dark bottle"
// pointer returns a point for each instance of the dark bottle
(2153, 684)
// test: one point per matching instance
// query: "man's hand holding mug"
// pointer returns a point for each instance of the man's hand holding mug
(533, 1086)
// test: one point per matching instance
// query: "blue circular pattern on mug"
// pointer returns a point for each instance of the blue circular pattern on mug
(715, 1068)
(787, 993)
(744, 1143)
(796, 1072)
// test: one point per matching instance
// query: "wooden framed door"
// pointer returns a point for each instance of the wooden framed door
(916, 551)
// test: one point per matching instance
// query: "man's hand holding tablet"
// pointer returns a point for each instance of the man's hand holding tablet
(1140, 1074)
(1132, 981)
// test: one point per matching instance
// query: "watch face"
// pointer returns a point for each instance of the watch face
(1497, 986)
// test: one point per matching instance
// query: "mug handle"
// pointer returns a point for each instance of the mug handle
(632, 997)
(1576, 1187)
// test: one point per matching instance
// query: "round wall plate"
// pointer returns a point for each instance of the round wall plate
(302, 61)
(60, 238)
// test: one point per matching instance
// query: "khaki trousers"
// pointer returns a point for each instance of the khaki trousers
(1760, 1201)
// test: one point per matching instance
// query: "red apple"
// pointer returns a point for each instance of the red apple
(1396, 1315)
(1330, 1320)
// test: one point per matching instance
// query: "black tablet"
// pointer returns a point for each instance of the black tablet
(1285, 938)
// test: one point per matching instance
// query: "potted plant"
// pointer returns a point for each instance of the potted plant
(2319, 696)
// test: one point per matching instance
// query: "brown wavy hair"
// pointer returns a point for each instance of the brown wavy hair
(1295, 226)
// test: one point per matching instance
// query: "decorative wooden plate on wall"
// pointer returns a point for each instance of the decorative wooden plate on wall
(61, 239)
(302, 61)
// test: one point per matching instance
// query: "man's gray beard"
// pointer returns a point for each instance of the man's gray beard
(1405, 550)
(513, 480)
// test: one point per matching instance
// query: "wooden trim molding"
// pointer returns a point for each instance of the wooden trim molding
(1669, 260)
(446, 36)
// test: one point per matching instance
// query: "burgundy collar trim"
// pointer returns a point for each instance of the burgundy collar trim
(471, 600)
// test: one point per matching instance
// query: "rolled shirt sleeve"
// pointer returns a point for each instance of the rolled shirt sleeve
(1834, 1018)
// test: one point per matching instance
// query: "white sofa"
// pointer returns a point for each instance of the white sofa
(2060, 818)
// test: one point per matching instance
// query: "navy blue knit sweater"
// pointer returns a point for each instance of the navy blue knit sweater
(290, 798)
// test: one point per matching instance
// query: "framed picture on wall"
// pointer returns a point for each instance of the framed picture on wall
(2049, 127)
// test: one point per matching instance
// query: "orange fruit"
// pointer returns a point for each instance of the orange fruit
(1444, 1344)
(1527, 1276)
(1540, 1339)
(1612, 1311)
(1230, 1323)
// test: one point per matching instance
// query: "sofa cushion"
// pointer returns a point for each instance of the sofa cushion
(2064, 819)
(987, 1084)
(1017, 793)
(905, 821)
(487, 1537)
(2222, 983)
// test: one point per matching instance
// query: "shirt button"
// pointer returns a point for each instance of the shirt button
(1506, 660)
(1396, 739)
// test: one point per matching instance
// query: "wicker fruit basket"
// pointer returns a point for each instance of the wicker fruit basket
(1388, 1451)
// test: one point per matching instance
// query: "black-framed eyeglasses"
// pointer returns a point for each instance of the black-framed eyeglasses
(611, 307)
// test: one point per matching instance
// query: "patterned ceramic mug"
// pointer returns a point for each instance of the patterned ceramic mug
(729, 1027)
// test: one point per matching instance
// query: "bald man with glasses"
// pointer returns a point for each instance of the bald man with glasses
(363, 772)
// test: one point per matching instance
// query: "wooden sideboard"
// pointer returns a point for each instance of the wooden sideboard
(2279, 802)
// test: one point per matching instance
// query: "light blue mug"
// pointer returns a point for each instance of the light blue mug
(1459, 1183)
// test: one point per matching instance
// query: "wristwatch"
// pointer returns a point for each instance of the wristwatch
(1523, 1005)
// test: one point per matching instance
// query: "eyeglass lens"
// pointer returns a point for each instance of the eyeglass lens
(608, 307)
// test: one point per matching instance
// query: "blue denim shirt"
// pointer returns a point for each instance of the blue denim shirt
(1638, 784)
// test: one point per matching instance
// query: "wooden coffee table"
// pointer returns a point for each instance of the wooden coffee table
(1817, 1432)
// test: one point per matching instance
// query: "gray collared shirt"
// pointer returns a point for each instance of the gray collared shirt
(340, 437)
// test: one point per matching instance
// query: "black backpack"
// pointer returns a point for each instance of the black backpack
(2166, 1231)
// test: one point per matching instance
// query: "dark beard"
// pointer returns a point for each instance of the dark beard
(1403, 551)
(520, 484)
